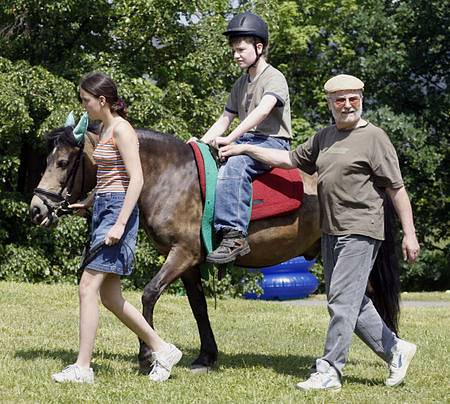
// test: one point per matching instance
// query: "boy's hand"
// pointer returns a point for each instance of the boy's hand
(221, 141)
(192, 139)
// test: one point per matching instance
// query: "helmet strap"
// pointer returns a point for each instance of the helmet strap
(256, 60)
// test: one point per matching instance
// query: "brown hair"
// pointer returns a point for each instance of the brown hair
(99, 84)
(253, 40)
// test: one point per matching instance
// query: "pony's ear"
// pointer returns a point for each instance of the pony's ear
(81, 128)
(70, 120)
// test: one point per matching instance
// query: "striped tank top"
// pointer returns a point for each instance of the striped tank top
(112, 175)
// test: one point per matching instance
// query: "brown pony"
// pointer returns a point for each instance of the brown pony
(171, 210)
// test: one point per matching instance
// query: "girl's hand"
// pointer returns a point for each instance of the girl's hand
(114, 234)
(84, 204)
(78, 205)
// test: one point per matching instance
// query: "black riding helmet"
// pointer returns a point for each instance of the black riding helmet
(248, 24)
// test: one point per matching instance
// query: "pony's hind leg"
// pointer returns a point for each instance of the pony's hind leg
(178, 261)
(208, 347)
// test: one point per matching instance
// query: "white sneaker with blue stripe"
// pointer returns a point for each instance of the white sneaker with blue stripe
(163, 362)
(402, 354)
(325, 378)
(74, 374)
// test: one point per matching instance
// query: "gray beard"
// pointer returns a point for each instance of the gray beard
(336, 115)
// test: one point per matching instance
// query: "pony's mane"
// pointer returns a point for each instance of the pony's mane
(64, 136)
(151, 134)
(61, 136)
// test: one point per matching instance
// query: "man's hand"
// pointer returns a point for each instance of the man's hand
(221, 141)
(231, 150)
(410, 248)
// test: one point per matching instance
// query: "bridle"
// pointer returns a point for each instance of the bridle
(57, 203)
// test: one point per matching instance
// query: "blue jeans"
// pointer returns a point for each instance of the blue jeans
(234, 184)
(118, 258)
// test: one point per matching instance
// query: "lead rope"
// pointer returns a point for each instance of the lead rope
(90, 254)
(215, 272)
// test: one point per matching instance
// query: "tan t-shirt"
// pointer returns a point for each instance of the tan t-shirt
(353, 166)
(246, 95)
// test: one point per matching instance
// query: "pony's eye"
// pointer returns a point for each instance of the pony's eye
(62, 163)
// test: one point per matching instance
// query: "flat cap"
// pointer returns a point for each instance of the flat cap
(343, 82)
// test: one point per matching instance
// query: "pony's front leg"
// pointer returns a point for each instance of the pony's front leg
(178, 261)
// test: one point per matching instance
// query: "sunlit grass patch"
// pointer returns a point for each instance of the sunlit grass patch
(265, 349)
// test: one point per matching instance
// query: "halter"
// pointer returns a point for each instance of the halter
(63, 201)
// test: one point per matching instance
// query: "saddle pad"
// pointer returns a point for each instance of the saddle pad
(275, 193)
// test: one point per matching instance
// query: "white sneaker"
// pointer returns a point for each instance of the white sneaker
(402, 354)
(163, 362)
(74, 373)
(325, 379)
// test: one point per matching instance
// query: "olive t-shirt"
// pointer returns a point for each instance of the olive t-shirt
(246, 95)
(353, 167)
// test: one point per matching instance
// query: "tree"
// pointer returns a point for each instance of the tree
(174, 69)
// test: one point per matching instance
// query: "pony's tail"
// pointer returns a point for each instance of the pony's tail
(384, 280)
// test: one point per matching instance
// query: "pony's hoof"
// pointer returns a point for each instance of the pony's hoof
(145, 367)
(200, 369)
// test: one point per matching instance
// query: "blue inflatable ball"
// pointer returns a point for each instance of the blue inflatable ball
(288, 280)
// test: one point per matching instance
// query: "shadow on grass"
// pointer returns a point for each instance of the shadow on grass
(366, 363)
(67, 356)
(292, 365)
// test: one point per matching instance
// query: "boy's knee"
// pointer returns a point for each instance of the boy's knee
(234, 166)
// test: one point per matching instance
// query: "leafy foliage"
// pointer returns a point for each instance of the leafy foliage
(174, 69)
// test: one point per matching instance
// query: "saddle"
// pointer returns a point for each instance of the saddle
(277, 192)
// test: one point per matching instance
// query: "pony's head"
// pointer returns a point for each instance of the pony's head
(64, 179)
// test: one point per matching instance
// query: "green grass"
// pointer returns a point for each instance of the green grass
(265, 348)
(408, 296)
(428, 296)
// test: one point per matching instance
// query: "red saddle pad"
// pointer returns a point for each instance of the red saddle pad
(275, 193)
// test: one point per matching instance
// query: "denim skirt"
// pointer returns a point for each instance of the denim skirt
(118, 258)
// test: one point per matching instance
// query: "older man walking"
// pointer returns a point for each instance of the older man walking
(356, 162)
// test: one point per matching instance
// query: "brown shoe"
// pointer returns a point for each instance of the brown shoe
(233, 245)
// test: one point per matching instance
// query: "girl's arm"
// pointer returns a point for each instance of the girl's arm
(126, 141)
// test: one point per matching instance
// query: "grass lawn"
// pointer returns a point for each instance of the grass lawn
(265, 349)
(407, 296)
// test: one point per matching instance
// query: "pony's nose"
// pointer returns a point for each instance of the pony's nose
(35, 213)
